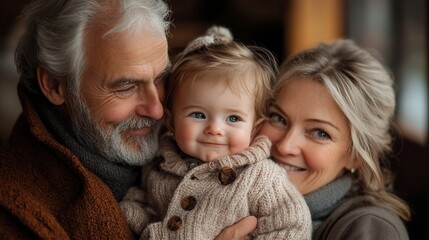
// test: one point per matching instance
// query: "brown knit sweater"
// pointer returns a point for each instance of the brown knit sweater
(45, 191)
(192, 201)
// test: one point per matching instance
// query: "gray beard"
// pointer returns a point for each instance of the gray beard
(107, 142)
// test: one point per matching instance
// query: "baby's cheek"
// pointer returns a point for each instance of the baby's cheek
(239, 142)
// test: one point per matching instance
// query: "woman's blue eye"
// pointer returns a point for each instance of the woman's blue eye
(276, 118)
(233, 118)
(320, 134)
(198, 115)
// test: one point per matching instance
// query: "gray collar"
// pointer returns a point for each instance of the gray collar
(118, 177)
(322, 201)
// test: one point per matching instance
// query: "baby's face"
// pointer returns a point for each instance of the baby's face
(211, 120)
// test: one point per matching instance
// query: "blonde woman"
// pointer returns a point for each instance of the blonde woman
(329, 123)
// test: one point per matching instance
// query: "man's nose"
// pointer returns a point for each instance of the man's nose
(150, 102)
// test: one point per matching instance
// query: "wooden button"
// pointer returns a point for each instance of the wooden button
(188, 203)
(227, 175)
(174, 223)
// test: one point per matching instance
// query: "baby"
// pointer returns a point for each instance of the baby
(212, 170)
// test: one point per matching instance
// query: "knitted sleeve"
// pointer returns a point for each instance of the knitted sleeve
(281, 210)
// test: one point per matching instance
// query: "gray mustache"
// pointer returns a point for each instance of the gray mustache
(136, 123)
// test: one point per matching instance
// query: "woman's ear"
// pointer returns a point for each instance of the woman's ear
(50, 87)
(353, 165)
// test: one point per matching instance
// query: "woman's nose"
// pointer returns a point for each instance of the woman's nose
(289, 144)
(214, 128)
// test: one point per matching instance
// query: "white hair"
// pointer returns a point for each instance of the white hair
(55, 33)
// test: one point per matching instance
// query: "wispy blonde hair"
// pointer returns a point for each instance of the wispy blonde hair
(245, 69)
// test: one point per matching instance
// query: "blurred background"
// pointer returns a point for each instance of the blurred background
(394, 28)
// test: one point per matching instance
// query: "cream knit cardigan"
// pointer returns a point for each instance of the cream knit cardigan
(261, 189)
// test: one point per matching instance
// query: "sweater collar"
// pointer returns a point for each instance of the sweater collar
(176, 162)
(322, 201)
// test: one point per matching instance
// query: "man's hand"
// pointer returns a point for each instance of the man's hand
(240, 230)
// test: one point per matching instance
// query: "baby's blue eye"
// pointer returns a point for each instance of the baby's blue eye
(233, 118)
(198, 115)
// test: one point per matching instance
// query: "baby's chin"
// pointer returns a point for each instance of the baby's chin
(210, 156)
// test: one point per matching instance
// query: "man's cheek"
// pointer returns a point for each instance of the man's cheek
(112, 115)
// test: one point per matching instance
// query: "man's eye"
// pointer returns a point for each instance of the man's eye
(198, 115)
(126, 91)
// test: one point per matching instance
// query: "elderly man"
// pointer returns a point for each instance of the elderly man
(91, 82)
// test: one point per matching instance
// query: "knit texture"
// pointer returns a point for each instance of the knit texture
(46, 192)
(261, 189)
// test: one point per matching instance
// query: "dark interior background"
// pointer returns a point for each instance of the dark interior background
(397, 29)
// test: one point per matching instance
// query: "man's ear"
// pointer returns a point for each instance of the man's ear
(50, 87)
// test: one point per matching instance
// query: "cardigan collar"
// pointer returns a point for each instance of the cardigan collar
(178, 163)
